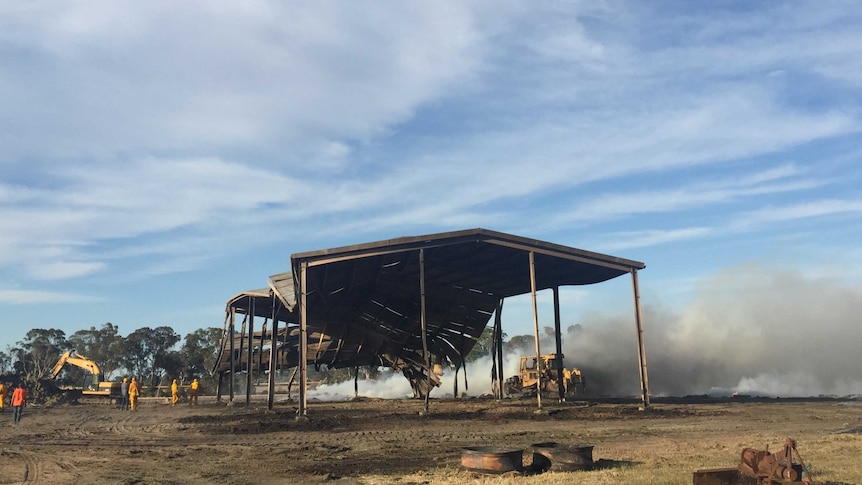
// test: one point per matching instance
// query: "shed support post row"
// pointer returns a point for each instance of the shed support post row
(221, 354)
(259, 366)
(273, 351)
(425, 357)
(231, 330)
(642, 366)
(250, 353)
(303, 339)
(536, 329)
(241, 347)
(498, 349)
(561, 387)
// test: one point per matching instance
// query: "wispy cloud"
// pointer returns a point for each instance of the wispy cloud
(681, 197)
(804, 210)
(143, 139)
(640, 239)
(29, 297)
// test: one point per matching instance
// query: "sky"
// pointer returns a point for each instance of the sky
(158, 158)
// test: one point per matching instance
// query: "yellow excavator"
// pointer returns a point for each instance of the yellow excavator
(93, 384)
(528, 377)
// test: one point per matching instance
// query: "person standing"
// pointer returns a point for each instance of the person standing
(193, 393)
(134, 392)
(175, 393)
(124, 390)
(19, 399)
(2, 397)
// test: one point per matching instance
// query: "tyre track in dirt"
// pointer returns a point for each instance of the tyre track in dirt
(41, 468)
(32, 468)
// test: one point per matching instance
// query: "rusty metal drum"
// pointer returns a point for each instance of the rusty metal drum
(562, 457)
(492, 459)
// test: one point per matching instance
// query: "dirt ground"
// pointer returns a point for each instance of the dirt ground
(388, 441)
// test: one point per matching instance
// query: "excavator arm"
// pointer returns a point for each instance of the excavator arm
(77, 360)
(93, 384)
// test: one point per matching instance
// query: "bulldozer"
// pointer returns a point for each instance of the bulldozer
(93, 384)
(548, 365)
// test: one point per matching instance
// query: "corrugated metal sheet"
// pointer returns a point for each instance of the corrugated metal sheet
(364, 300)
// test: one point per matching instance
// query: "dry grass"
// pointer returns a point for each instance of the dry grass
(387, 442)
(668, 449)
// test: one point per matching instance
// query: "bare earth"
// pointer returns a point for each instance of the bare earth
(388, 441)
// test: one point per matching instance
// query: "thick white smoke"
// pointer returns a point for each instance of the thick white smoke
(396, 386)
(752, 329)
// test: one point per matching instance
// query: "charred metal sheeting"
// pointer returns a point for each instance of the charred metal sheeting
(492, 459)
(561, 457)
(760, 467)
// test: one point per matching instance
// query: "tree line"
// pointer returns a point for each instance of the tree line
(151, 354)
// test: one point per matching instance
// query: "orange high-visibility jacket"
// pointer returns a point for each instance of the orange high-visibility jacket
(19, 396)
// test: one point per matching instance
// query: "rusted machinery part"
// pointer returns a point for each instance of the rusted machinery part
(562, 457)
(492, 459)
(763, 464)
(761, 467)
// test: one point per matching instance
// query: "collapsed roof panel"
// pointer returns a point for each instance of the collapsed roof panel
(364, 300)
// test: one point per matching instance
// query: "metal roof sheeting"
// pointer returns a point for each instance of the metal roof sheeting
(364, 300)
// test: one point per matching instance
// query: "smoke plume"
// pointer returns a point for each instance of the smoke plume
(395, 385)
(752, 330)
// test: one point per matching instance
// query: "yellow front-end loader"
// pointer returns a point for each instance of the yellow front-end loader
(549, 366)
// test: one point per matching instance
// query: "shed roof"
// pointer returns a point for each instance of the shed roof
(366, 298)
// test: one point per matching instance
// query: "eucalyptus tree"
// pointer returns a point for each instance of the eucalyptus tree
(36, 355)
(200, 351)
(147, 352)
(103, 345)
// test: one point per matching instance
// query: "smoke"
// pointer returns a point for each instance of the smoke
(395, 385)
(752, 330)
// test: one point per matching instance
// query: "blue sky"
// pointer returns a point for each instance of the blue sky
(158, 158)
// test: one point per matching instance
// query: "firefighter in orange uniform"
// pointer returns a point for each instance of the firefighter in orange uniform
(134, 392)
(175, 393)
(193, 392)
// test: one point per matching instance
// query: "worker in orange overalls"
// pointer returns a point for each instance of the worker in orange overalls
(134, 392)
(19, 398)
(193, 392)
(2, 397)
(175, 393)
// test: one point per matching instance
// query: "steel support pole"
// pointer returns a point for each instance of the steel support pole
(232, 350)
(498, 347)
(559, 341)
(218, 386)
(425, 357)
(536, 329)
(250, 354)
(241, 340)
(642, 365)
(303, 339)
(259, 366)
(273, 352)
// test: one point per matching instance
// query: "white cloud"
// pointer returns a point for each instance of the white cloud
(165, 136)
(639, 239)
(686, 197)
(28, 297)
(63, 270)
(803, 210)
(102, 79)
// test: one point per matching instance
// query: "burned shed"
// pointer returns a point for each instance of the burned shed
(406, 303)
